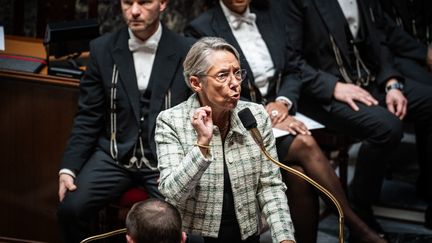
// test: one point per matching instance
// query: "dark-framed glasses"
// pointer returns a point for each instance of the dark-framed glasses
(223, 77)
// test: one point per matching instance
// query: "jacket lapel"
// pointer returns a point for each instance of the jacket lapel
(164, 68)
(334, 19)
(221, 27)
(124, 60)
(268, 29)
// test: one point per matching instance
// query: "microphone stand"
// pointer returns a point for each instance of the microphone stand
(308, 179)
(104, 235)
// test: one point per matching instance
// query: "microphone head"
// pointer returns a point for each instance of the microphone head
(247, 118)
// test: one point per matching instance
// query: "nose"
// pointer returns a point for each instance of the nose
(233, 82)
(135, 9)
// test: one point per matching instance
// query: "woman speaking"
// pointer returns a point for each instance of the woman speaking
(210, 167)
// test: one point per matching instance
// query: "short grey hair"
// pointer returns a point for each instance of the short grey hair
(197, 60)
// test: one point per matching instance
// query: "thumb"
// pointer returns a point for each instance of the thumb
(70, 186)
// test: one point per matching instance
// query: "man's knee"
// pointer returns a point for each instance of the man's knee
(70, 210)
(388, 131)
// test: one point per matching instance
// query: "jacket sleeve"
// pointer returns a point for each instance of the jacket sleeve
(181, 166)
(386, 53)
(397, 39)
(315, 82)
(88, 122)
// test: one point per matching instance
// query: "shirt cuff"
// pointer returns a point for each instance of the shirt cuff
(285, 100)
(67, 172)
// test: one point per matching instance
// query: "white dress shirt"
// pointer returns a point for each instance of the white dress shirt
(144, 57)
(253, 46)
(351, 12)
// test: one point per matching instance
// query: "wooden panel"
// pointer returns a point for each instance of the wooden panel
(36, 117)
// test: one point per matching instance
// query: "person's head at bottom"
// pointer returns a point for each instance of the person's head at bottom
(154, 221)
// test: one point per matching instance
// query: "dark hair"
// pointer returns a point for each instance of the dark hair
(154, 221)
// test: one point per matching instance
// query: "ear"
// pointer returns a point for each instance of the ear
(184, 237)
(129, 239)
(163, 5)
(195, 84)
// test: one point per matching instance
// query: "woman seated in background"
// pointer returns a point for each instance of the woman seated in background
(210, 167)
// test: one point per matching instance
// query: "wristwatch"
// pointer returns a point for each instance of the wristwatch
(396, 85)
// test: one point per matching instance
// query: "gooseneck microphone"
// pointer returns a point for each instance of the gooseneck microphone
(249, 122)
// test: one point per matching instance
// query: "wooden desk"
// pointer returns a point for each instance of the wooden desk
(36, 113)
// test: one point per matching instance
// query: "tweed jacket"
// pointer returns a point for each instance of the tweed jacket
(194, 183)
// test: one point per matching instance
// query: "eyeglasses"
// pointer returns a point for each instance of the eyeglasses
(223, 77)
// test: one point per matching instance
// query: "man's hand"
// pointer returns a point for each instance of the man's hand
(66, 183)
(396, 103)
(277, 111)
(429, 58)
(349, 93)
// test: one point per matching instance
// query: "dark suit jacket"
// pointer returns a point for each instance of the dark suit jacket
(214, 23)
(407, 11)
(401, 43)
(91, 128)
(310, 22)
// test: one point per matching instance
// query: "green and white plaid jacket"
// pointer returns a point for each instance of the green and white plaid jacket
(194, 184)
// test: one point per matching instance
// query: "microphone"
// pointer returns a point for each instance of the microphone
(249, 122)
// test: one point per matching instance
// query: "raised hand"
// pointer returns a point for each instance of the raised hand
(202, 122)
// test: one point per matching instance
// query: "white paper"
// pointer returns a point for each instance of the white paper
(309, 123)
(2, 39)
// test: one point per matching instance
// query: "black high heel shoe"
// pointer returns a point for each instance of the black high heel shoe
(365, 213)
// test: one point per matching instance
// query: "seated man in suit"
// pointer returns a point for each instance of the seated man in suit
(132, 75)
(413, 16)
(154, 221)
(352, 86)
(257, 33)
(408, 26)
(414, 59)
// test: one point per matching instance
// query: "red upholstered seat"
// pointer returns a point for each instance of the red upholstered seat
(131, 196)
(113, 215)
